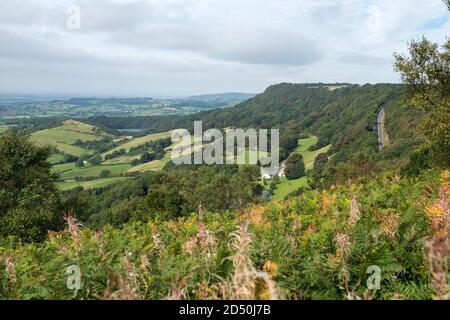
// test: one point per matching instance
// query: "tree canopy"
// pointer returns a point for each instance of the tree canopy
(426, 73)
(28, 199)
(295, 167)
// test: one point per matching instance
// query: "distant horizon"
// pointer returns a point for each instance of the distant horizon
(106, 96)
(160, 96)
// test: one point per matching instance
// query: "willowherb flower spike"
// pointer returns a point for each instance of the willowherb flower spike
(438, 243)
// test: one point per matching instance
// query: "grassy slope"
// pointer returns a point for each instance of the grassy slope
(55, 158)
(139, 141)
(122, 159)
(159, 164)
(151, 166)
(309, 156)
(287, 186)
(69, 171)
(64, 136)
(99, 183)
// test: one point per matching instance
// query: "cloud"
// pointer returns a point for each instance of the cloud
(235, 43)
(175, 47)
(261, 46)
(364, 59)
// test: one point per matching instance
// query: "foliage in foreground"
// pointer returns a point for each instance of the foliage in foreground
(318, 245)
(26, 185)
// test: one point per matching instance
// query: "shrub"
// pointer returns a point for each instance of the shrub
(295, 168)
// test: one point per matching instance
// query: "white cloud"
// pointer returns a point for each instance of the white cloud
(173, 47)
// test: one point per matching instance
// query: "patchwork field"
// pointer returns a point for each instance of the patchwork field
(140, 141)
(67, 134)
(151, 166)
(285, 186)
(98, 183)
(122, 159)
(64, 137)
(70, 132)
(70, 171)
(159, 164)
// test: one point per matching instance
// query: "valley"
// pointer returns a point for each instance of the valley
(242, 151)
(79, 158)
(339, 197)
(95, 153)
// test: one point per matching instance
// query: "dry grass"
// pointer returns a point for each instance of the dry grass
(244, 281)
(437, 244)
(355, 213)
(178, 290)
(10, 269)
(124, 286)
(73, 228)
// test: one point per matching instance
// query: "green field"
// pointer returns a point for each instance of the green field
(159, 164)
(155, 165)
(55, 158)
(69, 171)
(99, 183)
(309, 156)
(139, 141)
(285, 186)
(122, 159)
(64, 136)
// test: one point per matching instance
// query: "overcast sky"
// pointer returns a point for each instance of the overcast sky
(183, 47)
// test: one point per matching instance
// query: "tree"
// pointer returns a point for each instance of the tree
(164, 202)
(320, 162)
(426, 74)
(95, 159)
(295, 167)
(79, 163)
(28, 199)
(147, 157)
(135, 162)
(105, 174)
(68, 158)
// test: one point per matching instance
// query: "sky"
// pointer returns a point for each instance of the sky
(184, 47)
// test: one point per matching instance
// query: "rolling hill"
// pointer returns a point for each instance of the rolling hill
(340, 115)
(64, 136)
